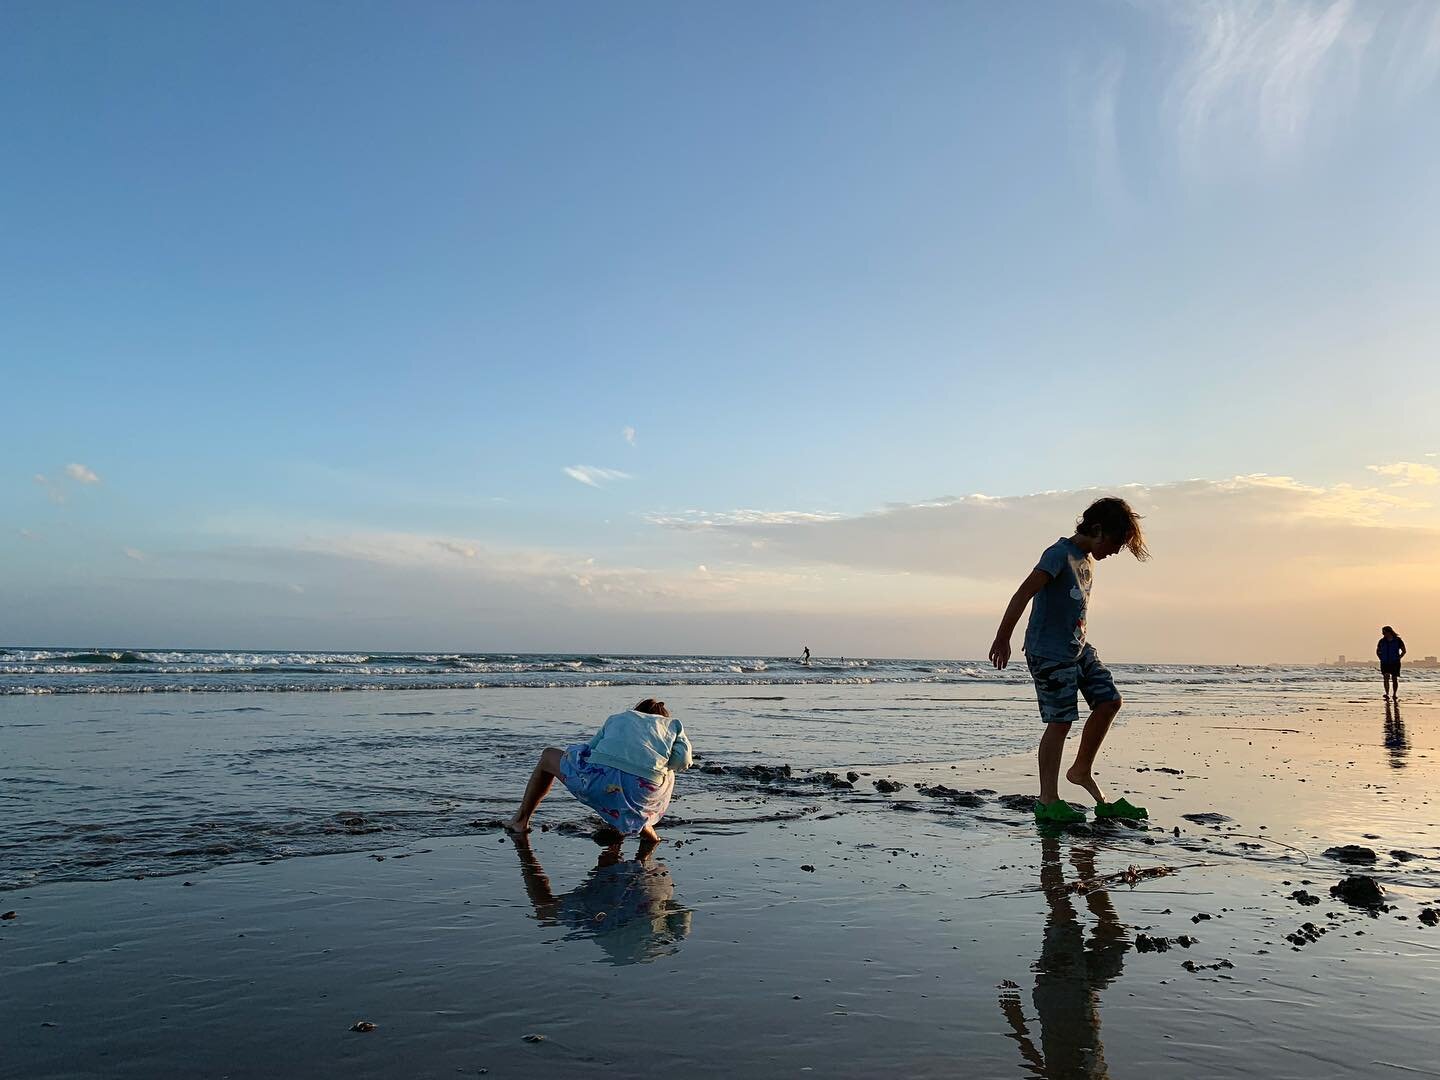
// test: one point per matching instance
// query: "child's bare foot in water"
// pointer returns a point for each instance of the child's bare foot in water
(649, 837)
(1083, 778)
(517, 826)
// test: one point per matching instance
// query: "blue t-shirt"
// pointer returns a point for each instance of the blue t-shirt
(1388, 649)
(1057, 614)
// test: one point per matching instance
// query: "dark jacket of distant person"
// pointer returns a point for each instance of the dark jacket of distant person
(1390, 648)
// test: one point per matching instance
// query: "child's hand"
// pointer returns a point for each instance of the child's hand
(1000, 653)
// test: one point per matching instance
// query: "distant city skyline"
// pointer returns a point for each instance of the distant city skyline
(725, 330)
(1410, 662)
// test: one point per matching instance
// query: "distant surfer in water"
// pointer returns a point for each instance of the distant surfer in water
(806, 658)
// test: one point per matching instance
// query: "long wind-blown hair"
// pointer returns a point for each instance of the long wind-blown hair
(1113, 519)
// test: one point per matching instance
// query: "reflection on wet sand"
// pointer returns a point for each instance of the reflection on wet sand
(1395, 739)
(627, 906)
(1069, 975)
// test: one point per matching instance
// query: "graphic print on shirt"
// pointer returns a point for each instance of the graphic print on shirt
(1080, 592)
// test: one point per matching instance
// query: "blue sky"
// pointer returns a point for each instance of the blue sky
(321, 295)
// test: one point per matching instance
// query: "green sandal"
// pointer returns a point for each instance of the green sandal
(1121, 808)
(1058, 812)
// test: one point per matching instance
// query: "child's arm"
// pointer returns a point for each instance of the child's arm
(1403, 650)
(681, 753)
(1000, 650)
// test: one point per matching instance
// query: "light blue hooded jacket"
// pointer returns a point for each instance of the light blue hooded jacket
(642, 744)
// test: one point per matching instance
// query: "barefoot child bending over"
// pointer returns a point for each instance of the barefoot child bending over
(626, 773)
(1062, 662)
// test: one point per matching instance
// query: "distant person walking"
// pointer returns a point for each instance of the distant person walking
(1062, 662)
(1390, 648)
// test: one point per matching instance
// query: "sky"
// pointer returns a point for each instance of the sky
(722, 328)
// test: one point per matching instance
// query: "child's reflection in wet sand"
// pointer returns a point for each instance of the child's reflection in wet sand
(1069, 975)
(627, 906)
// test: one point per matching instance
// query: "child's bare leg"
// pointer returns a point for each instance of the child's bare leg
(539, 786)
(649, 841)
(1052, 745)
(1097, 725)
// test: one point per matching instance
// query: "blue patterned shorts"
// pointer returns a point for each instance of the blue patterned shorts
(626, 801)
(1058, 681)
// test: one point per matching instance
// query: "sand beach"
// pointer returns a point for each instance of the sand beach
(806, 924)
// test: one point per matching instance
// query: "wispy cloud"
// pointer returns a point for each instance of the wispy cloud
(710, 519)
(593, 475)
(457, 547)
(556, 576)
(1252, 567)
(51, 489)
(134, 553)
(976, 536)
(628, 434)
(1415, 50)
(1096, 97)
(1249, 81)
(1407, 473)
(73, 473)
(1255, 71)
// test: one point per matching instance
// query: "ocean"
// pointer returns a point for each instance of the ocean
(136, 762)
(28, 670)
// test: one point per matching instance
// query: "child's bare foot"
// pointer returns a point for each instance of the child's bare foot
(648, 835)
(517, 825)
(1082, 778)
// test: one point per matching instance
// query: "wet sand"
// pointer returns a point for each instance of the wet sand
(853, 934)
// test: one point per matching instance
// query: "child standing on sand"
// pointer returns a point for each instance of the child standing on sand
(626, 773)
(1062, 662)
